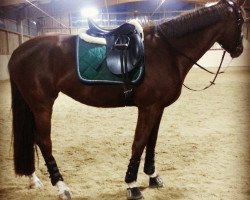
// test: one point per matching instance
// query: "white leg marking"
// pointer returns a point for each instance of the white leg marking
(34, 181)
(153, 175)
(63, 191)
(132, 184)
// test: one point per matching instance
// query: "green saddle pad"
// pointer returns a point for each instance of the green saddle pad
(92, 67)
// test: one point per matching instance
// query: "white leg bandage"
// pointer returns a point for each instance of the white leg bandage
(34, 181)
(63, 191)
(132, 184)
(153, 175)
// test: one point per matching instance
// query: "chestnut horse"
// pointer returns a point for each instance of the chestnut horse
(46, 65)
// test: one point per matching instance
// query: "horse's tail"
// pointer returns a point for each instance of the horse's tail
(23, 133)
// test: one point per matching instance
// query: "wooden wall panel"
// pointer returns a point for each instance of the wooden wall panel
(25, 38)
(13, 41)
(60, 25)
(247, 31)
(65, 20)
(3, 43)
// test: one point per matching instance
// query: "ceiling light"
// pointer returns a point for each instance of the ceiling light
(89, 12)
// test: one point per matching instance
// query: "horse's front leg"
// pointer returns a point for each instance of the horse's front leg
(155, 180)
(148, 118)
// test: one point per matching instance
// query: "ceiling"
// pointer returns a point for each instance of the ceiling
(100, 2)
(23, 8)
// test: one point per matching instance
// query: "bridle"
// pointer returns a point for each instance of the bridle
(215, 76)
(237, 47)
(240, 20)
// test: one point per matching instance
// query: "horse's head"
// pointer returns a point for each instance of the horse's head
(231, 39)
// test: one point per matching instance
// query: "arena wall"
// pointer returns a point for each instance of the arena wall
(9, 41)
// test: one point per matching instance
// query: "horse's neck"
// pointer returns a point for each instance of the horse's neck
(195, 46)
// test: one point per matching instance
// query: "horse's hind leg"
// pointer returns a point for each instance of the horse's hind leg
(34, 181)
(43, 140)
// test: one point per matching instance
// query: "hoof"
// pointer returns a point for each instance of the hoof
(134, 193)
(65, 195)
(156, 182)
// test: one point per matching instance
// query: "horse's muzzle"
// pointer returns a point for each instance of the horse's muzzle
(238, 51)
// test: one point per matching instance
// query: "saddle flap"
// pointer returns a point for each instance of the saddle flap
(132, 55)
(125, 49)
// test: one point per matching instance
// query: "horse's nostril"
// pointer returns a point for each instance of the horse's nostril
(237, 52)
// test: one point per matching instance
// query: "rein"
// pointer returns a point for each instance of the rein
(213, 81)
(192, 60)
(159, 29)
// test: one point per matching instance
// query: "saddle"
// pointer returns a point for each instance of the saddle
(125, 49)
(96, 31)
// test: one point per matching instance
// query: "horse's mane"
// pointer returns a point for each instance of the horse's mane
(194, 21)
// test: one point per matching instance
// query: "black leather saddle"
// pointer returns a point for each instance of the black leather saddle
(97, 31)
(125, 49)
